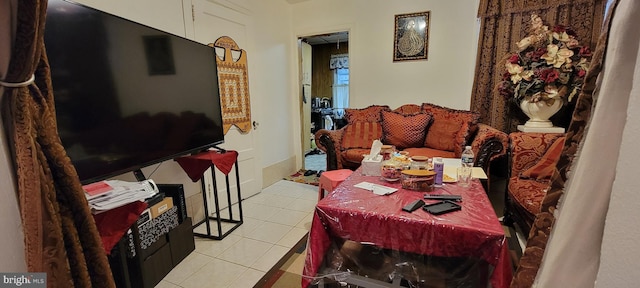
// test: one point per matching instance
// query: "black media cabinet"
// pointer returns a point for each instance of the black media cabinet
(146, 254)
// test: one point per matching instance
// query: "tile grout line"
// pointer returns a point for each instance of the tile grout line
(279, 185)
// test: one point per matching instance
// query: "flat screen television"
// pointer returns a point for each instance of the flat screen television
(128, 96)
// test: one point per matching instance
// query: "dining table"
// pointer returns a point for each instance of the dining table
(356, 229)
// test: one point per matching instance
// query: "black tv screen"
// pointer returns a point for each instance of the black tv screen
(127, 95)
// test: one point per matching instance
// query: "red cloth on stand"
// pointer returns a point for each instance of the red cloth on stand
(112, 224)
(196, 165)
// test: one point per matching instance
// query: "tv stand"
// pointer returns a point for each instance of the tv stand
(153, 247)
(223, 160)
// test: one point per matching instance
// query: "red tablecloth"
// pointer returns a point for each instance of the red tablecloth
(359, 215)
(196, 165)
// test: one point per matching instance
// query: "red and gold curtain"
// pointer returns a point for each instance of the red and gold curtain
(503, 24)
(576, 132)
(60, 236)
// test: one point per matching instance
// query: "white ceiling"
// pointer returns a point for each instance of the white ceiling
(330, 38)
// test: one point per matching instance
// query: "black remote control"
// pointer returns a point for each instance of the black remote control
(413, 206)
(443, 197)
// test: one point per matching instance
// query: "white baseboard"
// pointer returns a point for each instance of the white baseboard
(276, 172)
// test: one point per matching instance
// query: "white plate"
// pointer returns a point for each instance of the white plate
(449, 180)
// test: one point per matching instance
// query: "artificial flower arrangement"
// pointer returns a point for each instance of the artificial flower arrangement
(550, 66)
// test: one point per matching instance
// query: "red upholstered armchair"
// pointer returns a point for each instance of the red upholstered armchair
(533, 158)
(427, 130)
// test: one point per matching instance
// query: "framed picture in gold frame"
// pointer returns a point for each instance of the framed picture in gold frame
(411, 36)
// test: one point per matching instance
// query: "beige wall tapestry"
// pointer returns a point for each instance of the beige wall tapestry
(233, 79)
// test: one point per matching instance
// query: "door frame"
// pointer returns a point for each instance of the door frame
(349, 31)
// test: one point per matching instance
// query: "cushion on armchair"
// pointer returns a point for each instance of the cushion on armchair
(528, 194)
(533, 162)
(450, 129)
(404, 131)
(543, 169)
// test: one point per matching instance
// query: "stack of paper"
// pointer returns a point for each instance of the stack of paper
(375, 188)
(110, 194)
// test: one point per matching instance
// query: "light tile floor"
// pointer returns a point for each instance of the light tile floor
(274, 221)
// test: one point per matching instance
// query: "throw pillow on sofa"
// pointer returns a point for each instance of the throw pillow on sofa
(450, 129)
(364, 127)
(368, 114)
(361, 135)
(404, 131)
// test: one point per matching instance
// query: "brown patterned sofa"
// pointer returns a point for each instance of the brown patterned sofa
(533, 158)
(427, 130)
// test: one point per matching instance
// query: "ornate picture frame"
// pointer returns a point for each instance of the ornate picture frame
(411, 36)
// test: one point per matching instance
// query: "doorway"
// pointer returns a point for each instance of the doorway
(324, 76)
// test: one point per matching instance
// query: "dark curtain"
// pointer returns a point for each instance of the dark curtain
(503, 24)
(60, 234)
(541, 229)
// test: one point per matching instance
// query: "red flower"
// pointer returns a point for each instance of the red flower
(585, 51)
(535, 57)
(514, 59)
(550, 65)
(549, 75)
(506, 76)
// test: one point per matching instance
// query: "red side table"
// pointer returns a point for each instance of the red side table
(195, 166)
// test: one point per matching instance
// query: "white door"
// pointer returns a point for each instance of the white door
(210, 22)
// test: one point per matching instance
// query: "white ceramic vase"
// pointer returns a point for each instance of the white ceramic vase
(539, 113)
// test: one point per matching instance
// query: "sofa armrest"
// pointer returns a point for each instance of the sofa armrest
(489, 144)
(329, 142)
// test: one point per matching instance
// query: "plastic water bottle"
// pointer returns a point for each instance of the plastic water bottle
(438, 167)
(467, 157)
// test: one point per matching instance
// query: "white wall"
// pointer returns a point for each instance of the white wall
(12, 238)
(445, 78)
(165, 15)
(12, 250)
